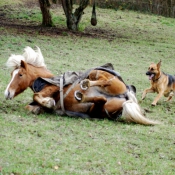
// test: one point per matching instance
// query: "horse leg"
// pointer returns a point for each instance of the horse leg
(47, 102)
(100, 78)
(113, 107)
(108, 82)
(85, 84)
(45, 96)
(96, 78)
(83, 98)
(98, 103)
(35, 109)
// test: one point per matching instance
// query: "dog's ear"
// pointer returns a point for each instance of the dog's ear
(159, 64)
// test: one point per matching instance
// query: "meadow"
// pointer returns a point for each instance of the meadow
(52, 144)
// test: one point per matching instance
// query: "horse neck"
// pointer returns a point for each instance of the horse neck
(36, 72)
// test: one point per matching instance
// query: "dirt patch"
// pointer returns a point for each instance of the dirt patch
(18, 26)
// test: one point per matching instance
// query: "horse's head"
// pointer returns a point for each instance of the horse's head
(26, 68)
(19, 81)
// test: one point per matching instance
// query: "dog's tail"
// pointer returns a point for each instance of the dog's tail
(132, 112)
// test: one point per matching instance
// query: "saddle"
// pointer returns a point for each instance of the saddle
(70, 77)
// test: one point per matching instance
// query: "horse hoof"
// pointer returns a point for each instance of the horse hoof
(49, 102)
(78, 95)
(37, 111)
(85, 84)
(34, 109)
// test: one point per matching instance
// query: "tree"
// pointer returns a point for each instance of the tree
(72, 18)
(45, 10)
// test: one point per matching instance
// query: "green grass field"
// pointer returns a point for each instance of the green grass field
(50, 144)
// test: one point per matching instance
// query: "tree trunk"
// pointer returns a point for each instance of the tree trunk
(46, 16)
(73, 19)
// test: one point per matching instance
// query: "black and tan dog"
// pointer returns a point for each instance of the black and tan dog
(161, 83)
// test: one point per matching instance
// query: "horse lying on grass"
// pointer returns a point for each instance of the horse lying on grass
(96, 93)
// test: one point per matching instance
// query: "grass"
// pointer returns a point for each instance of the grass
(50, 144)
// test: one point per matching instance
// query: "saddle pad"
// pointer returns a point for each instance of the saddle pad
(70, 77)
(39, 84)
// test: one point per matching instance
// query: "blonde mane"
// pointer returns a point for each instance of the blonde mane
(33, 57)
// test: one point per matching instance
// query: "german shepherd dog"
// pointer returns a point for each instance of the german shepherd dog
(161, 83)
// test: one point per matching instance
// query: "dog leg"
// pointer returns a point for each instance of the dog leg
(170, 97)
(146, 91)
(160, 94)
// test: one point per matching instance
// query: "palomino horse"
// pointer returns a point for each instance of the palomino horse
(100, 94)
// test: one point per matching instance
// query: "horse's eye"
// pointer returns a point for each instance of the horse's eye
(20, 75)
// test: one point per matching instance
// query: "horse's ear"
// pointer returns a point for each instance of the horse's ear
(23, 64)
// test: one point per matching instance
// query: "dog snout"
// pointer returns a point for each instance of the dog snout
(148, 73)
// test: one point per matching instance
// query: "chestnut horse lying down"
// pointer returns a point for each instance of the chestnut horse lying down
(96, 93)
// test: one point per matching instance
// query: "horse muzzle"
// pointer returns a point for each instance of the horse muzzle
(9, 94)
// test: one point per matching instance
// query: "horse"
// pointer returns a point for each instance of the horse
(100, 94)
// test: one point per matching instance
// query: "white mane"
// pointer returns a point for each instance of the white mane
(30, 56)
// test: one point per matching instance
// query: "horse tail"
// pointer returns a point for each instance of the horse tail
(132, 112)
